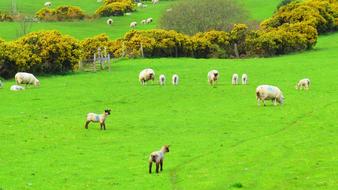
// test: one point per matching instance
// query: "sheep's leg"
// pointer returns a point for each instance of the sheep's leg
(100, 126)
(150, 165)
(87, 123)
(264, 102)
(161, 164)
(157, 166)
(275, 101)
(104, 126)
(258, 102)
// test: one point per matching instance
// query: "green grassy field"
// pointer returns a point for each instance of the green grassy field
(89, 28)
(219, 137)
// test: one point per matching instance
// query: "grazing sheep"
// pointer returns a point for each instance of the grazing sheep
(146, 75)
(26, 78)
(110, 21)
(127, 14)
(149, 20)
(244, 79)
(234, 80)
(158, 157)
(213, 77)
(17, 88)
(162, 80)
(143, 21)
(48, 4)
(101, 118)
(175, 79)
(133, 24)
(139, 4)
(268, 92)
(155, 1)
(303, 84)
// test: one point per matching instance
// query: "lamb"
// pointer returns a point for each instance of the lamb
(245, 79)
(48, 4)
(155, 1)
(303, 84)
(162, 80)
(158, 157)
(269, 92)
(234, 80)
(175, 79)
(110, 21)
(26, 78)
(143, 21)
(146, 75)
(133, 24)
(101, 118)
(213, 77)
(149, 20)
(139, 4)
(17, 88)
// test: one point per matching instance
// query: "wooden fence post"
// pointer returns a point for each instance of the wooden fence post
(94, 62)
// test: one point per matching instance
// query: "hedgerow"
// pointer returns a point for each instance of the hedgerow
(62, 13)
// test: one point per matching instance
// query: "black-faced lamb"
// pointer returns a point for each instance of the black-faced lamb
(175, 79)
(162, 80)
(98, 118)
(213, 77)
(234, 79)
(244, 79)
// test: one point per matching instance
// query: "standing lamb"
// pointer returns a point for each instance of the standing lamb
(146, 75)
(245, 79)
(234, 80)
(101, 118)
(213, 77)
(143, 21)
(26, 78)
(268, 92)
(162, 80)
(175, 79)
(139, 4)
(149, 20)
(303, 84)
(158, 157)
(133, 24)
(17, 88)
(110, 21)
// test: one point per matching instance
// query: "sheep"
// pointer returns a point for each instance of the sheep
(158, 157)
(213, 77)
(244, 79)
(162, 80)
(133, 24)
(110, 21)
(17, 88)
(127, 14)
(26, 78)
(234, 80)
(146, 75)
(155, 1)
(269, 92)
(1, 84)
(149, 20)
(48, 4)
(101, 118)
(139, 4)
(143, 21)
(175, 79)
(303, 84)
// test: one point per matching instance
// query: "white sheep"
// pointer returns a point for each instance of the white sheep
(101, 118)
(234, 79)
(158, 157)
(303, 84)
(110, 21)
(139, 4)
(143, 21)
(244, 79)
(269, 92)
(1, 84)
(146, 75)
(155, 1)
(26, 78)
(175, 79)
(133, 24)
(127, 14)
(17, 88)
(213, 77)
(149, 20)
(162, 80)
(48, 4)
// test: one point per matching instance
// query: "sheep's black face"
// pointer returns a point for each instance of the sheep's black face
(215, 74)
(107, 112)
(166, 148)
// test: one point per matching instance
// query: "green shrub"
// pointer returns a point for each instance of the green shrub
(63, 13)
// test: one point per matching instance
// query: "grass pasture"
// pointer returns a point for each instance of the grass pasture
(219, 137)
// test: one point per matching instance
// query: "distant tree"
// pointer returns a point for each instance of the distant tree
(193, 16)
